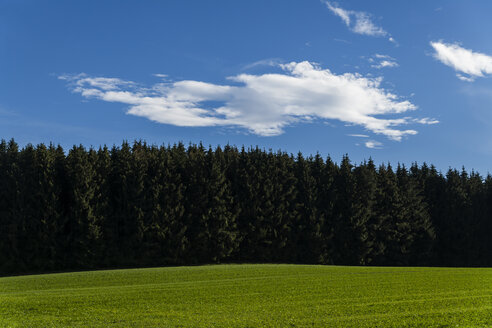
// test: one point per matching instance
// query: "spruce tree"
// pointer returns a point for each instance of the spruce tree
(363, 207)
(345, 239)
(305, 241)
(219, 211)
(455, 233)
(173, 201)
(83, 229)
(414, 224)
(154, 231)
(196, 200)
(385, 225)
(106, 244)
(324, 174)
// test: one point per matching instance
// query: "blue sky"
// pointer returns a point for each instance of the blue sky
(397, 81)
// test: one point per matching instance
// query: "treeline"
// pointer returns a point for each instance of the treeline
(146, 205)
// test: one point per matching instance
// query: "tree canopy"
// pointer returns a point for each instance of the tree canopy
(147, 205)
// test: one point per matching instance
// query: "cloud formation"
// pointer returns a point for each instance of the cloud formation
(464, 61)
(263, 104)
(357, 21)
(382, 61)
(373, 144)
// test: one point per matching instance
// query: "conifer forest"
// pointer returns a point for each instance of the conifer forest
(138, 205)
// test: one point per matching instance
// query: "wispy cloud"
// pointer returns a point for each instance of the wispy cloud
(463, 61)
(357, 21)
(264, 62)
(425, 120)
(358, 135)
(373, 144)
(382, 61)
(102, 83)
(263, 104)
(386, 63)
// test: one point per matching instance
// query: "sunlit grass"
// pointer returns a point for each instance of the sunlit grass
(250, 296)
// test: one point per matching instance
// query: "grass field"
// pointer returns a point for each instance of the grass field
(250, 296)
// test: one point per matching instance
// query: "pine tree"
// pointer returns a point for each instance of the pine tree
(62, 188)
(364, 200)
(474, 187)
(485, 228)
(83, 229)
(106, 245)
(125, 227)
(416, 233)
(134, 218)
(433, 186)
(39, 208)
(11, 225)
(155, 232)
(284, 204)
(454, 232)
(219, 209)
(49, 206)
(345, 239)
(324, 178)
(173, 201)
(384, 224)
(244, 190)
(305, 241)
(196, 219)
(9, 208)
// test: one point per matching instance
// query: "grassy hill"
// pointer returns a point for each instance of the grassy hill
(250, 296)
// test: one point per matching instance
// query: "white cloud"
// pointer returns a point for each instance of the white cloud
(373, 144)
(464, 61)
(363, 25)
(342, 13)
(387, 63)
(102, 83)
(382, 56)
(425, 120)
(382, 61)
(465, 78)
(358, 135)
(357, 21)
(263, 104)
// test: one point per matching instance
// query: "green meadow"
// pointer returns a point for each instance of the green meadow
(251, 296)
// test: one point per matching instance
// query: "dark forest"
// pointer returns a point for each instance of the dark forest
(138, 205)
